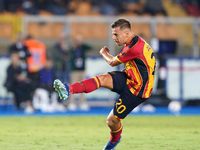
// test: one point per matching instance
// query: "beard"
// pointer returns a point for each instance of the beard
(118, 43)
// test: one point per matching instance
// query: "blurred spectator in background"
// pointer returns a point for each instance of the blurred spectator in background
(30, 7)
(107, 8)
(36, 61)
(192, 7)
(37, 50)
(154, 7)
(21, 49)
(2, 6)
(12, 5)
(57, 7)
(45, 98)
(60, 57)
(78, 56)
(47, 76)
(18, 83)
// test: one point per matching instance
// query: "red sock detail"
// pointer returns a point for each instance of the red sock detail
(86, 86)
(115, 135)
(77, 87)
(71, 89)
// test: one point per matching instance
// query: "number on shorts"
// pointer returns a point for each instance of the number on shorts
(121, 108)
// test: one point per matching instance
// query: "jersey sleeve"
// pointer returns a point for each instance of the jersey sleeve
(126, 55)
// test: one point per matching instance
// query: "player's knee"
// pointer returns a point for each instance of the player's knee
(110, 123)
(105, 80)
(102, 78)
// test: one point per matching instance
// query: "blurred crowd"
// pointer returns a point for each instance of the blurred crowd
(33, 69)
(104, 7)
(192, 7)
(64, 7)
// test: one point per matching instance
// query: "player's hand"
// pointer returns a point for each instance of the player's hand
(123, 69)
(104, 50)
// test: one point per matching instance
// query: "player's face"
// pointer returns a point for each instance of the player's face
(118, 36)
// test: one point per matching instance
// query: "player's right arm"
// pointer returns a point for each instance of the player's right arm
(111, 60)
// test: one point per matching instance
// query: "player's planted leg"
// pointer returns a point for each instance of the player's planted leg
(111, 146)
(116, 130)
(87, 86)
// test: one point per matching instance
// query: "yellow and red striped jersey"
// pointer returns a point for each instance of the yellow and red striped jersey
(140, 64)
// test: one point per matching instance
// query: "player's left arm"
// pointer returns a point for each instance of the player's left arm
(111, 60)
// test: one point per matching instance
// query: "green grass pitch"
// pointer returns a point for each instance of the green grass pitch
(91, 133)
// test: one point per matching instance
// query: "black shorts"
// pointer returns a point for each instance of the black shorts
(127, 101)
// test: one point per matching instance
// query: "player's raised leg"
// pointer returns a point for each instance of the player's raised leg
(86, 86)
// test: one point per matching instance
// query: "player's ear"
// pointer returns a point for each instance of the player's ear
(126, 32)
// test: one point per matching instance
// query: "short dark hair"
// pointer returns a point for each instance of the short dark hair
(122, 23)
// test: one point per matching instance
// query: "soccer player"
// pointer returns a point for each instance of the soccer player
(134, 84)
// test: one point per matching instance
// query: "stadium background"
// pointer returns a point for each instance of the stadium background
(174, 35)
